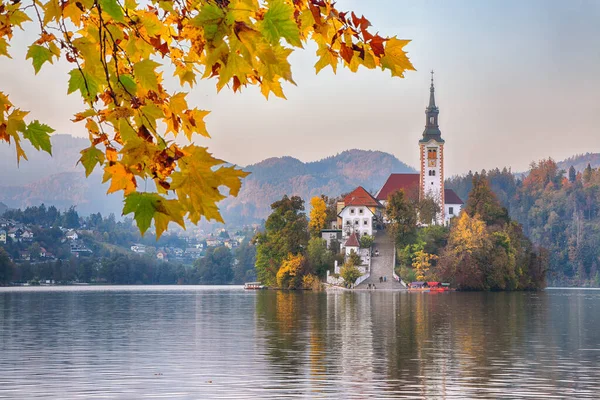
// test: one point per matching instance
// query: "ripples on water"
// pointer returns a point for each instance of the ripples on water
(223, 342)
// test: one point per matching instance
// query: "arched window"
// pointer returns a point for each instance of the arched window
(431, 120)
(431, 172)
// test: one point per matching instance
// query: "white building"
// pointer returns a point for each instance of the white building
(3, 236)
(360, 213)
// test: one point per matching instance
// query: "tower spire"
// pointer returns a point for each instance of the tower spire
(432, 129)
(432, 93)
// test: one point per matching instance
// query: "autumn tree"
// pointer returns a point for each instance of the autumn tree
(286, 232)
(421, 264)
(318, 216)
(290, 274)
(402, 216)
(141, 131)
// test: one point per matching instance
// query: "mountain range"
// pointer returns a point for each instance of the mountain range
(58, 181)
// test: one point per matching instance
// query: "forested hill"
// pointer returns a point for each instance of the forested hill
(559, 209)
(60, 182)
(332, 176)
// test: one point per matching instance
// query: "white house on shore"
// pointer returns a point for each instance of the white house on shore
(360, 213)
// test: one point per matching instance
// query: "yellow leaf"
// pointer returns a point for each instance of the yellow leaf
(120, 179)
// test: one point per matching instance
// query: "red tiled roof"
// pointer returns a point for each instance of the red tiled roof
(408, 182)
(450, 197)
(352, 241)
(360, 197)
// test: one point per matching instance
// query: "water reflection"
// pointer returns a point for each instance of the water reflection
(199, 342)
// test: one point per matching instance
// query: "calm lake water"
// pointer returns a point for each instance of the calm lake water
(223, 342)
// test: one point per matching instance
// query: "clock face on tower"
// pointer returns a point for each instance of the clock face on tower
(431, 163)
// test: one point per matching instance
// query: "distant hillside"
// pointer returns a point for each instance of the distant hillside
(58, 181)
(579, 162)
(332, 176)
(3, 207)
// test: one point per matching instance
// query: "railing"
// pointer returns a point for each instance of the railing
(362, 279)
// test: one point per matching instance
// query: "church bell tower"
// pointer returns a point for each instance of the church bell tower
(432, 156)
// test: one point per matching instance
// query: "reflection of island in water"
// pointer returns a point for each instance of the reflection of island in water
(390, 343)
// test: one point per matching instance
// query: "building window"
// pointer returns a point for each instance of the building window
(431, 172)
(451, 210)
(348, 222)
(431, 154)
(431, 120)
(365, 222)
(352, 211)
(360, 210)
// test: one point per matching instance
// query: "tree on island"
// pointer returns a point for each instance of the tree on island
(285, 233)
(349, 271)
(402, 217)
(318, 216)
(488, 251)
(117, 50)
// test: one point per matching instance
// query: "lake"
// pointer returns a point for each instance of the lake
(223, 342)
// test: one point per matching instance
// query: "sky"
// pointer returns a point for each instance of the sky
(516, 81)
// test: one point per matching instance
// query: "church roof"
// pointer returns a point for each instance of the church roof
(395, 182)
(432, 129)
(352, 241)
(450, 197)
(360, 197)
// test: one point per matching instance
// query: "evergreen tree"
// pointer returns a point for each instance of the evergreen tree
(483, 202)
(572, 174)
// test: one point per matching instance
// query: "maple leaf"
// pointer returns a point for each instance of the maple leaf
(84, 82)
(278, 22)
(395, 58)
(129, 114)
(112, 8)
(90, 157)
(148, 206)
(120, 179)
(39, 55)
(39, 136)
(144, 72)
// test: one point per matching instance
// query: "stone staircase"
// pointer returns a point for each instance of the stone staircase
(383, 264)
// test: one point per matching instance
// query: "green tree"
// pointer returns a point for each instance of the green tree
(484, 203)
(6, 267)
(319, 258)
(215, 268)
(243, 270)
(350, 273)
(366, 241)
(286, 232)
(403, 218)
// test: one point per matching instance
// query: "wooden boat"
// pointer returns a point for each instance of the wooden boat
(254, 286)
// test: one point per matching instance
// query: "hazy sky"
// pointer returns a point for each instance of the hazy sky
(516, 81)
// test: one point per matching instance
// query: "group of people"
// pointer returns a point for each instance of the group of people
(381, 280)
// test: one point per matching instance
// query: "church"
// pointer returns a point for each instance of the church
(359, 211)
